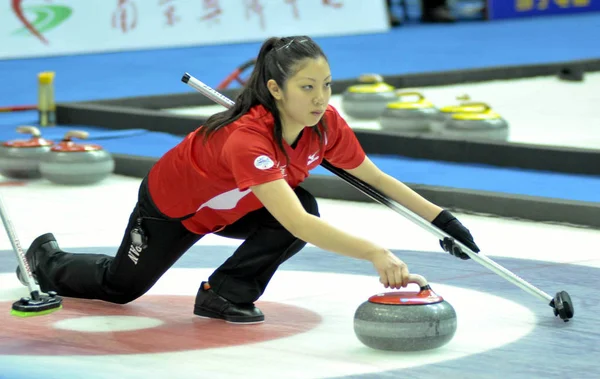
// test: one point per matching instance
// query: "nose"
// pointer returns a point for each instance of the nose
(319, 99)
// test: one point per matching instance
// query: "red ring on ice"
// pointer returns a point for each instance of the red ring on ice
(181, 330)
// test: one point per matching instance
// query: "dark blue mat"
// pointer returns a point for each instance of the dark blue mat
(488, 178)
(432, 173)
(143, 143)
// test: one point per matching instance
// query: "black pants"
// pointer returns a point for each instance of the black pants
(123, 278)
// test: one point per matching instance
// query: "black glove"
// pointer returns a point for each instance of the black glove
(449, 224)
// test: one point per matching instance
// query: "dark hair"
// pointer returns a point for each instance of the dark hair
(277, 60)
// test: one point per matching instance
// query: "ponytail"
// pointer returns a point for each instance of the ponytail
(276, 60)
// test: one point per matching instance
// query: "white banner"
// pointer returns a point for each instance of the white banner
(30, 28)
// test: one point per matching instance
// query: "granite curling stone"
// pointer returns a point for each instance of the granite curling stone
(465, 106)
(20, 159)
(405, 321)
(409, 116)
(70, 163)
(486, 124)
(368, 99)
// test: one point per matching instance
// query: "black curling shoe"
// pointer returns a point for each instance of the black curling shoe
(209, 304)
(44, 244)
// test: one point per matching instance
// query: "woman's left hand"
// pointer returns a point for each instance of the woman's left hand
(449, 224)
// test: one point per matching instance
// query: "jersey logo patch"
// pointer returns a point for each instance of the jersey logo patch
(263, 162)
(313, 157)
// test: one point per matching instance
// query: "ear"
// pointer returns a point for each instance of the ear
(274, 89)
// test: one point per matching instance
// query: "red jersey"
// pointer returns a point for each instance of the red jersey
(212, 179)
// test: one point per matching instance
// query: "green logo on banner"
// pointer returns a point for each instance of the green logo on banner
(47, 17)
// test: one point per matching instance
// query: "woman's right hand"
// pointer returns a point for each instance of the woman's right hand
(393, 273)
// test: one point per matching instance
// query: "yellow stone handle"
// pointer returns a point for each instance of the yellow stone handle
(370, 78)
(400, 93)
(480, 107)
(465, 99)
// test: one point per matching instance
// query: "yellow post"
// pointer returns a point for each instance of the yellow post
(46, 101)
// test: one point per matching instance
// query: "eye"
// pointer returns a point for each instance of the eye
(328, 84)
(308, 87)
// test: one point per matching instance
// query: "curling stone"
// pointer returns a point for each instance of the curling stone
(20, 159)
(409, 116)
(405, 321)
(76, 164)
(486, 124)
(465, 106)
(368, 99)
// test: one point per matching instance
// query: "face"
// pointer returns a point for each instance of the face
(306, 94)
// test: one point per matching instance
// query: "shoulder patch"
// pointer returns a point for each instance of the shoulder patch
(263, 162)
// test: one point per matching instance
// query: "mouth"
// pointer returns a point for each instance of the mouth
(317, 113)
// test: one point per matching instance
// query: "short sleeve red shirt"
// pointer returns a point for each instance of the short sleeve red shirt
(212, 179)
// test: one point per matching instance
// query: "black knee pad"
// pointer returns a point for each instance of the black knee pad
(308, 201)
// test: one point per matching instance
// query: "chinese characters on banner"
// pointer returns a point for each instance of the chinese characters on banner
(333, 3)
(169, 11)
(254, 6)
(212, 11)
(294, 5)
(125, 16)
